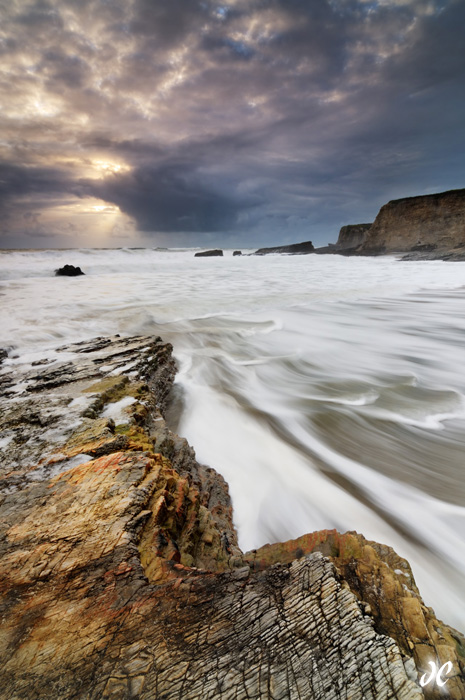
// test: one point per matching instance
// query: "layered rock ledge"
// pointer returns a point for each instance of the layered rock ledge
(121, 576)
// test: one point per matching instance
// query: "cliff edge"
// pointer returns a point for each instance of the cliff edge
(121, 576)
(433, 226)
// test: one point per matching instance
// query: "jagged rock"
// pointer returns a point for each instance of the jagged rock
(432, 225)
(3, 355)
(293, 249)
(384, 583)
(209, 254)
(69, 271)
(120, 574)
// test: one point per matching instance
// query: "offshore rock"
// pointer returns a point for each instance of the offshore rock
(69, 271)
(293, 249)
(120, 573)
(433, 226)
(237, 252)
(209, 254)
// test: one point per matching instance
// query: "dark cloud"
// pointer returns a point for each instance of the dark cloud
(260, 119)
(170, 199)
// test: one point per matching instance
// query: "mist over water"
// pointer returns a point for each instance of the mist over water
(328, 391)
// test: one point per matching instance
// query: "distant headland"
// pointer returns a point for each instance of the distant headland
(427, 227)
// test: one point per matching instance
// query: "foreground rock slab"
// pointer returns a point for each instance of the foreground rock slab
(120, 573)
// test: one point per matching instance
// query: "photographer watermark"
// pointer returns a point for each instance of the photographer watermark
(437, 675)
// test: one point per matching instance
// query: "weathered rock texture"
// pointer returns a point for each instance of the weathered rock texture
(293, 249)
(352, 236)
(431, 225)
(120, 574)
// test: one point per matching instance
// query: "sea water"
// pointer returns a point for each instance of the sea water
(328, 391)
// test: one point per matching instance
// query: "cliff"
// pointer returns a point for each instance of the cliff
(121, 576)
(431, 225)
(352, 236)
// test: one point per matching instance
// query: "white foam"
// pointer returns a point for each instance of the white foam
(117, 410)
(5, 441)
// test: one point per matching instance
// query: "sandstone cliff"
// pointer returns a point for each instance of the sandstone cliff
(432, 225)
(352, 236)
(120, 573)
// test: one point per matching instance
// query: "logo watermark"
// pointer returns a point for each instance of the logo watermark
(436, 674)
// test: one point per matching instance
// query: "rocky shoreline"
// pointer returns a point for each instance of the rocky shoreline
(121, 575)
(427, 227)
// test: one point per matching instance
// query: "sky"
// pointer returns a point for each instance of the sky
(246, 123)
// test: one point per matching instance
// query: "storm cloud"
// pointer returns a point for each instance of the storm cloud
(248, 122)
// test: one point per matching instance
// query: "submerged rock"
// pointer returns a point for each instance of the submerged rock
(69, 271)
(121, 576)
(209, 254)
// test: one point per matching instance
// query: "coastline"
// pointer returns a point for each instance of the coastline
(119, 520)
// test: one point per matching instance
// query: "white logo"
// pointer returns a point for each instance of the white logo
(436, 674)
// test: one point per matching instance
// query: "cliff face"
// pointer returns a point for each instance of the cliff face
(352, 236)
(120, 573)
(429, 224)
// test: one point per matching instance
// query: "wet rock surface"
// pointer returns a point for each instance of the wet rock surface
(120, 573)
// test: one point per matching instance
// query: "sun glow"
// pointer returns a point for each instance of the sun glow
(106, 209)
(106, 167)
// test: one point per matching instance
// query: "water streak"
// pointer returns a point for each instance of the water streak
(328, 391)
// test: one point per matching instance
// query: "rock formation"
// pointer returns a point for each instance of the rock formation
(237, 252)
(352, 236)
(121, 576)
(69, 271)
(293, 249)
(209, 254)
(431, 225)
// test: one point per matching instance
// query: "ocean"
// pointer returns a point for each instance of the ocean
(328, 391)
